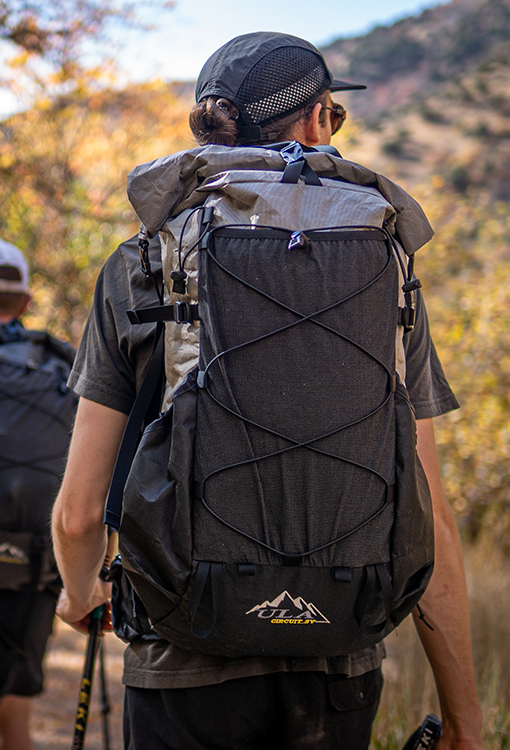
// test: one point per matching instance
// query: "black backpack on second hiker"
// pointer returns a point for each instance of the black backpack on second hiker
(278, 508)
(36, 417)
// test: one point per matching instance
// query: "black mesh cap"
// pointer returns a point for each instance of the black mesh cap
(267, 76)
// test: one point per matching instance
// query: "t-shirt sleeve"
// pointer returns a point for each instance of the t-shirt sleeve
(113, 354)
(426, 383)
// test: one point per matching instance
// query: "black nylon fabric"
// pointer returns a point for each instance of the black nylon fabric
(36, 417)
(37, 414)
(302, 383)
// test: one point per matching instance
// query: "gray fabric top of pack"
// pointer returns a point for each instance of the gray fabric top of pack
(161, 189)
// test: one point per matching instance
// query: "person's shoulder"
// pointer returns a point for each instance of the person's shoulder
(36, 342)
(122, 277)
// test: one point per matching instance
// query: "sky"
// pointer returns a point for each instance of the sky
(183, 38)
(194, 29)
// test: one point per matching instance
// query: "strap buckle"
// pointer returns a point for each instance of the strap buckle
(143, 248)
(408, 318)
(292, 153)
(182, 312)
(412, 286)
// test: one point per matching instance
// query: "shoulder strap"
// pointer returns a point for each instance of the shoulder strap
(145, 408)
(18, 339)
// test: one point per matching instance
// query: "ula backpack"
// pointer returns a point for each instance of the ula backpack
(278, 506)
(36, 417)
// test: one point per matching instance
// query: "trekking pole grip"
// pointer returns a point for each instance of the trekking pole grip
(82, 713)
(426, 736)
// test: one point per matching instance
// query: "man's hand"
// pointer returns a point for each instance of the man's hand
(77, 614)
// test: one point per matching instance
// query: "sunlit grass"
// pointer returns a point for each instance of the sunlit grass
(409, 692)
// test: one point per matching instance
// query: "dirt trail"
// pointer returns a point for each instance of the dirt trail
(55, 710)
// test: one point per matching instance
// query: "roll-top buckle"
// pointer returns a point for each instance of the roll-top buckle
(291, 153)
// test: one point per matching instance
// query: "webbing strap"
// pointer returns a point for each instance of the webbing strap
(181, 312)
(297, 166)
(204, 570)
(377, 581)
(296, 169)
(148, 393)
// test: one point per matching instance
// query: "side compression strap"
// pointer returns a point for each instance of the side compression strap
(377, 582)
(204, 571)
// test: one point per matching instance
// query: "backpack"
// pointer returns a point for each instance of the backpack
(282, 486)
(36, 417)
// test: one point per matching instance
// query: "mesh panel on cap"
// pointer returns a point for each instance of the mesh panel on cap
(283, 81)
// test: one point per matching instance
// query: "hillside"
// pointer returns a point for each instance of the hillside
(438, 97)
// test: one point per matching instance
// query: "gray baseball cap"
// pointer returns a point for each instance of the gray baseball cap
(267, 76)
(14, 277)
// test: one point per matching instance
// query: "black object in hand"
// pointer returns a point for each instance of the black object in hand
(426, 736)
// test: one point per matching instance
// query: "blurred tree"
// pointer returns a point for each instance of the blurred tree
(55, 30)
(466, 276)
(64, 161)
(48, 40)
(63, 169)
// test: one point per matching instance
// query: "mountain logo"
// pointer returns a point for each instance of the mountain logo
(285, 610)
(13, 555)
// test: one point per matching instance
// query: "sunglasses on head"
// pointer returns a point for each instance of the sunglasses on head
(337, 115)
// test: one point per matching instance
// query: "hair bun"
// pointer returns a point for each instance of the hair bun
(227, 107)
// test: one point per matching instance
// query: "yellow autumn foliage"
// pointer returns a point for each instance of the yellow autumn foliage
(465, 272)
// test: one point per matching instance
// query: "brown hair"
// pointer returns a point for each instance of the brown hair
(214, 120)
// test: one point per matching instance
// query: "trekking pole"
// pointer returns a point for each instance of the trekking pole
(426, 736)
(82, 713)
(105, 704)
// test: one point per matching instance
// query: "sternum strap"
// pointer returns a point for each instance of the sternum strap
(181, 312)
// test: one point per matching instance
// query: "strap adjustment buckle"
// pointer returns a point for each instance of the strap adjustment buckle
(412, 286)
(143, 249)
(182, 313)
(408, 318)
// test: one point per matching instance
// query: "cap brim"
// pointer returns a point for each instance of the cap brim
(344, 86)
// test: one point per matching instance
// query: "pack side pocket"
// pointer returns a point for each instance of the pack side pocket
(155, 537)
(412, 539)
(129, 617)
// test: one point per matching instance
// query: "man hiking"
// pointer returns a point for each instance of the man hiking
(36, 414)
(258, 90)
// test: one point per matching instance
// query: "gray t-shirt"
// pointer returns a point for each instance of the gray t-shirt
(109, 368)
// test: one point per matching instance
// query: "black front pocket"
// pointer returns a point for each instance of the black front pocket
(353, 693)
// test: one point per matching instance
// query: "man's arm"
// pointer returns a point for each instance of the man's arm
(445, 607)
(79, 534)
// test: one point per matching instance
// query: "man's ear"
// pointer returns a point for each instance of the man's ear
(311, 127)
